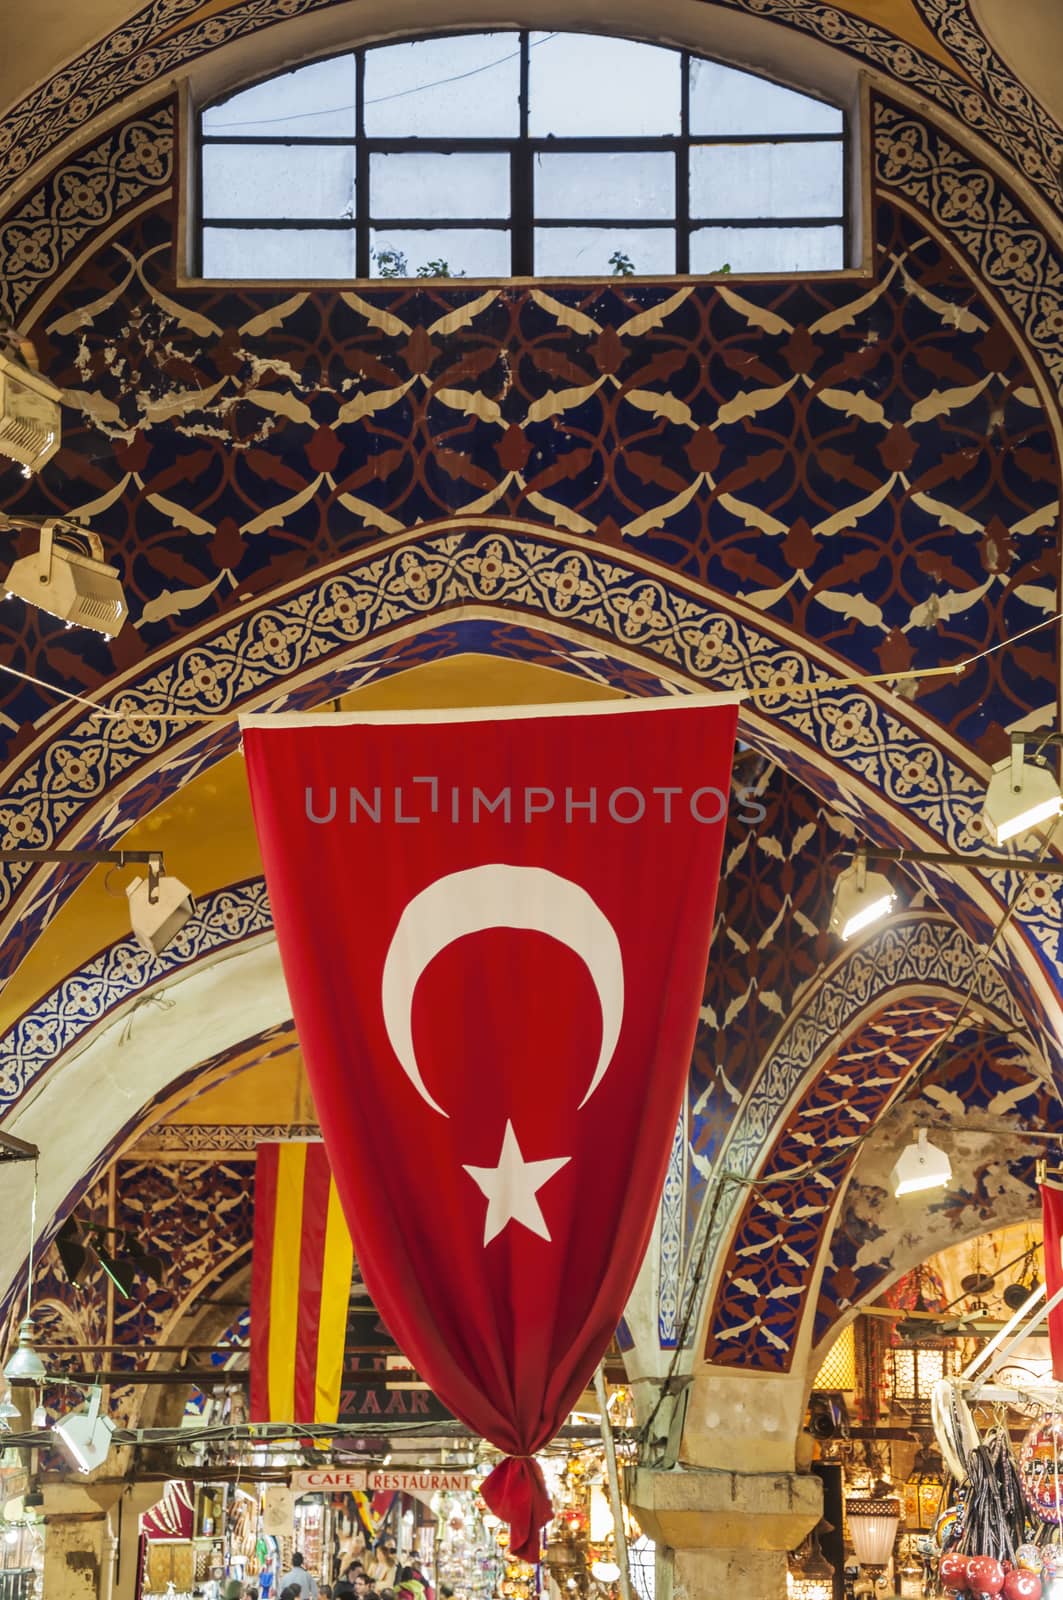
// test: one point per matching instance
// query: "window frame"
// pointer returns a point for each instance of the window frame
(522, 149)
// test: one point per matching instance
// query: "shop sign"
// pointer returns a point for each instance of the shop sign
(421, 1482)
(328, 1478)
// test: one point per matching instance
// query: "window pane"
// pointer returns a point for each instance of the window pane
(766, 180)
(432, 185)
(584, 84)
(586, 252)
(468, 86)
(723, 100)
(466, 252)
(285, 253)
(266, 180)
(767, 249)
(317, 99)
(639, 184)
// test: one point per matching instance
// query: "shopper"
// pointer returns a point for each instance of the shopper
(385, 1569)
(298, 1579)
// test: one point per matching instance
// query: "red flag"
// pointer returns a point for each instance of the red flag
(1052, 1220)
(494, 928)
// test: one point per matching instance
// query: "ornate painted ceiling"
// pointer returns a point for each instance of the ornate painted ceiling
(448, 494)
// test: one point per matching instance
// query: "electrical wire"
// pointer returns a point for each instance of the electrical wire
(380, 99)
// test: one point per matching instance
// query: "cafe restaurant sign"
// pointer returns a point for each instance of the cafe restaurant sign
(418, 1481)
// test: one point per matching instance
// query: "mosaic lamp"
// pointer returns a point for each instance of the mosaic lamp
(812, 1576)
(873, 1527)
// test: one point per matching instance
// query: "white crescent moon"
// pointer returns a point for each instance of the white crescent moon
(497, 896)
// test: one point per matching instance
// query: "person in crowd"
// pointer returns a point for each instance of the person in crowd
(419, 1577)
(251, 1592)
(298, 1579)
(360, 1584)
(386, 1566)
(324, 1591)
(343, 1590)
(233, 1590)
(408, 1586)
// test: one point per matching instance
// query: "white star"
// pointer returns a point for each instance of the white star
(511, 1188)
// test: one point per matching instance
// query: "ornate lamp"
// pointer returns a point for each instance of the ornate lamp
(811, 1577)
(915, 1367)
(873, 1527)
(922, 1493)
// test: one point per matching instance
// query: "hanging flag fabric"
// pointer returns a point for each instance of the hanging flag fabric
(494, 927)
(1052, 1220)
(302, 1262)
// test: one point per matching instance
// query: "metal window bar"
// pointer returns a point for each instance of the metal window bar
(522, 151)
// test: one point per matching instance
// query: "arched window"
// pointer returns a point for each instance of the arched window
(496, 155)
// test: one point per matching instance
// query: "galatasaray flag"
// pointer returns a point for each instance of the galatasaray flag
(301, 1266)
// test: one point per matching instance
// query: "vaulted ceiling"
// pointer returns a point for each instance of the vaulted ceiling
(887, 442)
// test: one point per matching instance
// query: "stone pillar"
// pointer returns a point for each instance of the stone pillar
(727, 1533)
(78, 1545)
(125, 1518)
(723, 1524)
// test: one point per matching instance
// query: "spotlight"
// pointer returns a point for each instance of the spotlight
(860, 898)
(25, 1365)
(1020, 796)
(85, 1436)
(74, 587)
(921, 1166)
(29, 415)
(128, 1261)
(121, 1273)
(72, 1250)
(158, 909)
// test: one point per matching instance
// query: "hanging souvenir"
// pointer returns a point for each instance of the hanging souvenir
(1040, 1455)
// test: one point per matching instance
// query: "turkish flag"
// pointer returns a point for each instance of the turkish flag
(494, 927)
(1052, 1219)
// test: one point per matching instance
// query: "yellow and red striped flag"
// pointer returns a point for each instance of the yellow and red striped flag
(301, 1266)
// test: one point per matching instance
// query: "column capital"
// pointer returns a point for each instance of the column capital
(708, 1509)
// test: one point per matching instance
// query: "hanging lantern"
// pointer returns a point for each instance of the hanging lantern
(811, 1576)
(915, 1367)
(922, 1493)
(837, 1372)
(872, 1528)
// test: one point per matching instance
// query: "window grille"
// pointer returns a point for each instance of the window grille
(519, 155)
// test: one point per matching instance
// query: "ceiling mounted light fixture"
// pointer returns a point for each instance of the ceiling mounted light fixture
(29, 407)
(860, 898)
(85, 1436)
(1021, 794)
(921, 1166)
(159, 907)
(75, 585)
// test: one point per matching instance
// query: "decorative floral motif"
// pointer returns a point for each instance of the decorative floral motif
(981, 219)
(81, 198)
(119, 975)
(925, 952)
(166, 36)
